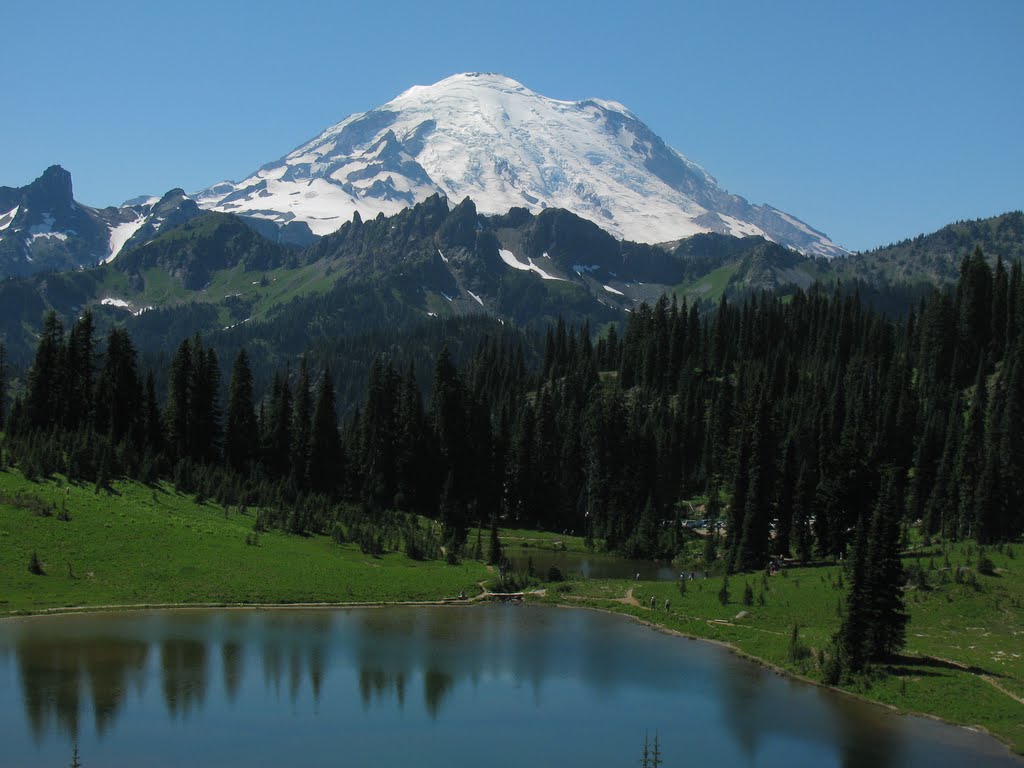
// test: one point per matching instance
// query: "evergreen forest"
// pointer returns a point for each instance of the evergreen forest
(810, 427)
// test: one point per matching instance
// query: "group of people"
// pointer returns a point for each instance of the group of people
(667, 604)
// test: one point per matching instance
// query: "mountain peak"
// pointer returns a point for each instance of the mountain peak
(489, 137)
(52, 189)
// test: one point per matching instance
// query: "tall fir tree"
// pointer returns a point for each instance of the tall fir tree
(241, 432)
(326, 459)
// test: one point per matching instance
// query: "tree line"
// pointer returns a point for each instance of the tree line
(811, 427)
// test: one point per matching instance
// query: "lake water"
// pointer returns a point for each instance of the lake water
(589, 566)
(497, 685)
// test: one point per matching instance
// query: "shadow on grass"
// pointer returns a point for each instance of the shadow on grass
(917, 665)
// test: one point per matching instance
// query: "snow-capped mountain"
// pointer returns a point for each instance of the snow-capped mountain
(43, 227)
(488, 137)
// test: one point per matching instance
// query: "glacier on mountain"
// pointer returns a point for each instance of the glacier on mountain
(488, 137)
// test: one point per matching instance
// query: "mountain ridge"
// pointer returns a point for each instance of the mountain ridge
(488, 137)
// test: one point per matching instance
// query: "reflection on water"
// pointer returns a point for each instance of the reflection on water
(590, 566)
(451, 681)
(57, 675)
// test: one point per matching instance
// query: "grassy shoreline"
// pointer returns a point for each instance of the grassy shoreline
(142, 549)
(794, 675)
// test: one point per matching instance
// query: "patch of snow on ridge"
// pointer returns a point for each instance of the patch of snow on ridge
(7, 218)
(114, 303)
(542, 273)
(739, 228)
(120, 235)
(510, 258)
(612, 290)
(56, 235)
(478, 299)
(45, 229)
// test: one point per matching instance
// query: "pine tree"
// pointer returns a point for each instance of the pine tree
(494, 553)
(118, 389)
(326, 458)
(970, 459)
(413, 463)
(302, 415)
(204, 425)
(241, 432)
(854, 631)
(885, 576)
(4, 385)
(46, 379)
(787, 492)
(277, 435)
(754, 540)
(178, 411)
(80, 372)
(974, 314)
(448, 411)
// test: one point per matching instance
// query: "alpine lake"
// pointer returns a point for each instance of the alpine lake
(489, 685)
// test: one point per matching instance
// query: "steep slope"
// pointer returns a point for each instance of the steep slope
(212, 273)
(43, 228)
(487, 137)
(936, 257)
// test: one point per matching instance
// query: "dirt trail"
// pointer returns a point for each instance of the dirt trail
(628, 599)
(981, 675)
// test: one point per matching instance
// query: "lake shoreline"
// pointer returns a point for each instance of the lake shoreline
(490, 597)
(783, 672)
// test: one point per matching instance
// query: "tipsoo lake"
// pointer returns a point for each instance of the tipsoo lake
(495, 685)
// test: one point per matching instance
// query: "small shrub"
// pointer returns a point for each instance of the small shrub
(338, 533)
(723, 593)
(986, 567)
(35, 565)
(797, 650)
(748, 594)
(554, 574)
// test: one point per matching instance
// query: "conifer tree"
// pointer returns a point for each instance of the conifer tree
(4, 385)
(970, 459)
(178, 411)
(302, 415)
(854, 631)
(885, 575)
(494, 553)
(46, 379)
(241, 432)
(80, 372)
(277, 436)
(326, 458)
(754, 539)
(118, 389)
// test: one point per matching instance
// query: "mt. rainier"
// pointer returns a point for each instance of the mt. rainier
(487, 137)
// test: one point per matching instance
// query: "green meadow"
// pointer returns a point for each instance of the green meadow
(141, 545)
(152, 546)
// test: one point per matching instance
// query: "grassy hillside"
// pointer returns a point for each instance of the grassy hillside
(142, 545)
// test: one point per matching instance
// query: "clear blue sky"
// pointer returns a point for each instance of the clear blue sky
(872, 121)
